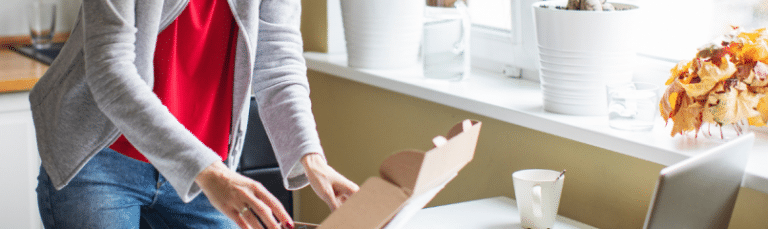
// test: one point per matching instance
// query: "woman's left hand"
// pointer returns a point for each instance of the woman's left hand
(328, 184)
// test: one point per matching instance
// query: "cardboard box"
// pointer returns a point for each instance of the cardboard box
(300, 225)
(409, 180)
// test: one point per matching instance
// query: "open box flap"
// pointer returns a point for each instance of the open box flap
(417, 172)
(412, 206)
(409, 180)
(372, 207)
(403, 168)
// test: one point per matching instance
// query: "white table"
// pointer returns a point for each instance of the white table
(491, 213)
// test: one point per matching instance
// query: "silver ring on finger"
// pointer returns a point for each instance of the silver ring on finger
(244, 210)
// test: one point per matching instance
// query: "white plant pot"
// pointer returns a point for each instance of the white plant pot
(575, 44)
(382, 34)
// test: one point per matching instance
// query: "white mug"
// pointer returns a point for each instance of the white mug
(537, 192)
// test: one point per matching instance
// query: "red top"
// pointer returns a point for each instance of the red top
(194, 67)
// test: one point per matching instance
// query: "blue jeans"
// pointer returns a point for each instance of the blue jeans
(115, 191)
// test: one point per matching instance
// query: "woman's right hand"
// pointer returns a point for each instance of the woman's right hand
(242, 199)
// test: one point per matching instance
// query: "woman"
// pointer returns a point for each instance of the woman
(146, 107)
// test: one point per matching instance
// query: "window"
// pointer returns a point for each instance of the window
(491, 13)
(669, 30)
(674, 29)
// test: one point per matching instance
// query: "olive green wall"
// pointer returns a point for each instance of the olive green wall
(314, 25)
(361, 125)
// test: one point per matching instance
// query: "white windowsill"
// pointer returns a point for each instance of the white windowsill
(519, 102)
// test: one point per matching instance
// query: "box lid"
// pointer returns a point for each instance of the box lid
(417, 172)
(409, 180)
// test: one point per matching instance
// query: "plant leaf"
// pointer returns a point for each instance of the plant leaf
(670, 101)
(731, 105)
(688, 118)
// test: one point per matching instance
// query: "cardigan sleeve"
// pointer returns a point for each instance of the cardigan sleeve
(282, 88)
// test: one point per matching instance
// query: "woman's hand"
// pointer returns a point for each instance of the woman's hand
(330, 186)
(242, 199)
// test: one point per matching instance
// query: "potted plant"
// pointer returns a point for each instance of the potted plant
(382, 34)
(583, 45)
(723, 87)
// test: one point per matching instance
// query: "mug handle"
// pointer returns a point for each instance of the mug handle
(537, 211)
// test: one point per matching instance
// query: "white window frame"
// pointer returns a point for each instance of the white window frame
(501, 51)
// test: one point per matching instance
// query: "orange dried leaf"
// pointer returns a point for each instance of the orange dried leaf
(668, 105)
(751, 36)
(754, 51)
(762, 108)
(731, 106)
(759, 75)
(681, 68)
(710, 75)
(756, 121)
(688, 118)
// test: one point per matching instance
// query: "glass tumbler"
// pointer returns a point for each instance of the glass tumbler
(42, 23)
(445, 44)
(632, 106)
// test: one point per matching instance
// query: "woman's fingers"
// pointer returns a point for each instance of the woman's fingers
(343, 189)
(346, 187)
(241, 199)
(328, 184)
(266, 207)
(235, 216)
(250, 217)
(322, 184)
(273, 203)
(343, 192)
(265, 215)
(329, 196)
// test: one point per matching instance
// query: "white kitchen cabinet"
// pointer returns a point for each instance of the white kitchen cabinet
(20, 163)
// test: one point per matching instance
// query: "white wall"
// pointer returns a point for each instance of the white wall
(13, 17)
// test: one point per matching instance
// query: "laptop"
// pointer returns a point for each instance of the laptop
(700, 192)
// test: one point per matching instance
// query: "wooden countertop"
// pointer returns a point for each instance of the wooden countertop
(17, 72)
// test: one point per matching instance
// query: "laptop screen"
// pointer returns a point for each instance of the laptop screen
(700, 192)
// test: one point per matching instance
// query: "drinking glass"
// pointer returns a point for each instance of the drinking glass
(42, 23)
(632, 106)
(445, 45)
